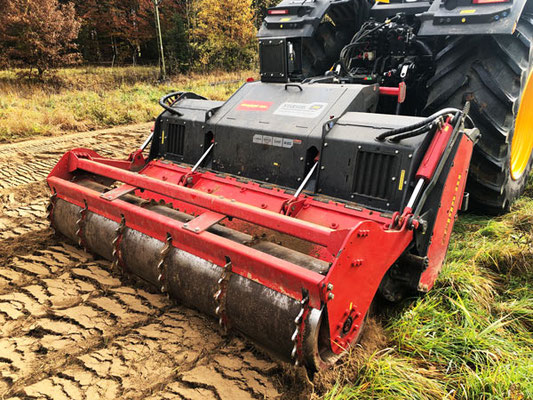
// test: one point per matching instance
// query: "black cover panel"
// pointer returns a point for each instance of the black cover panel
(267, 131)
(273, 133)
(461, 17)
(302, 18)
(357, 167)
(182, 138)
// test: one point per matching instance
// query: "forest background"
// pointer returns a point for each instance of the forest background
(197, 35)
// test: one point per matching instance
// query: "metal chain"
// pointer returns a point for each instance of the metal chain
(80, 223)
(220, 296)
(161, 265)
(297, 336)
(50, 210)
(117, 254)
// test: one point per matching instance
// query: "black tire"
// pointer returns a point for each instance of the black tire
(491, 72)
(321, 51)
(336, 29)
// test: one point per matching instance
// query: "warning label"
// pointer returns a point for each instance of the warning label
(301, 110)
(252, 105)
(275, 141)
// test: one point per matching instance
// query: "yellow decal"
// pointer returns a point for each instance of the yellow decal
(402, 177)
(286, 19)
(163, 137)
(383, 1)
(472, 11)
(463, 20)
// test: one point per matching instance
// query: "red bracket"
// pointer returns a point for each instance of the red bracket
(204, 222)
(292, 207)
(189, 179)
(137, 160)
(118, 192)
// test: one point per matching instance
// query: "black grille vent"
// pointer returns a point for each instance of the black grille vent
(175, 139)
(373, 174)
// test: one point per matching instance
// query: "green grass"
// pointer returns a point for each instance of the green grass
(471, 337)
(80, 99)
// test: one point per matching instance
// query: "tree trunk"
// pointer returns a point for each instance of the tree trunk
(113, 43)
(97, 45)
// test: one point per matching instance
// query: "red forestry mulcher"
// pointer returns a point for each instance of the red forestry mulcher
(284, 210)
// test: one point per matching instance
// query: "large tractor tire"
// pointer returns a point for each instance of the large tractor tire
(341, 21)
(321, 51)
(494, 73)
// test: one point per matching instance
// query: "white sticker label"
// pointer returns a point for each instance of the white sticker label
(301, 110)
(274, 141)
(288, 143)
(267, 140)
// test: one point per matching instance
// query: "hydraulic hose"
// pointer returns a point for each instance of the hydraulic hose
(163, 102)
(179, 96)
(416, 132)
(418, 125)
(424, 48)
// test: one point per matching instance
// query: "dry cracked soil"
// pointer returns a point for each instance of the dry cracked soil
(72, 329)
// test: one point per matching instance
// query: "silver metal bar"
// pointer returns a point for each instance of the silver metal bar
(304, 183)
(199, 162)
(147, 141)
(416, 193)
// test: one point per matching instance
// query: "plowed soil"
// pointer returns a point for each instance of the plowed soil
(70, 329)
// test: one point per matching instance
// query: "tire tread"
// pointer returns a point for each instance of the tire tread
(489, 72)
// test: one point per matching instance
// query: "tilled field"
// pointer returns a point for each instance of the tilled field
(70, 329)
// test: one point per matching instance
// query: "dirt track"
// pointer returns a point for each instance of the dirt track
(69, 329)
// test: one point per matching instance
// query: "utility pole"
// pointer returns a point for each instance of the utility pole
(162, 67)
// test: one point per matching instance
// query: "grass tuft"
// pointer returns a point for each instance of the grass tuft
(471, 337)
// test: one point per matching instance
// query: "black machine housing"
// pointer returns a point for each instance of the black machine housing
(274, 133)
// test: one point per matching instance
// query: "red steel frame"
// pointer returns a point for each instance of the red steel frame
(359, 243)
